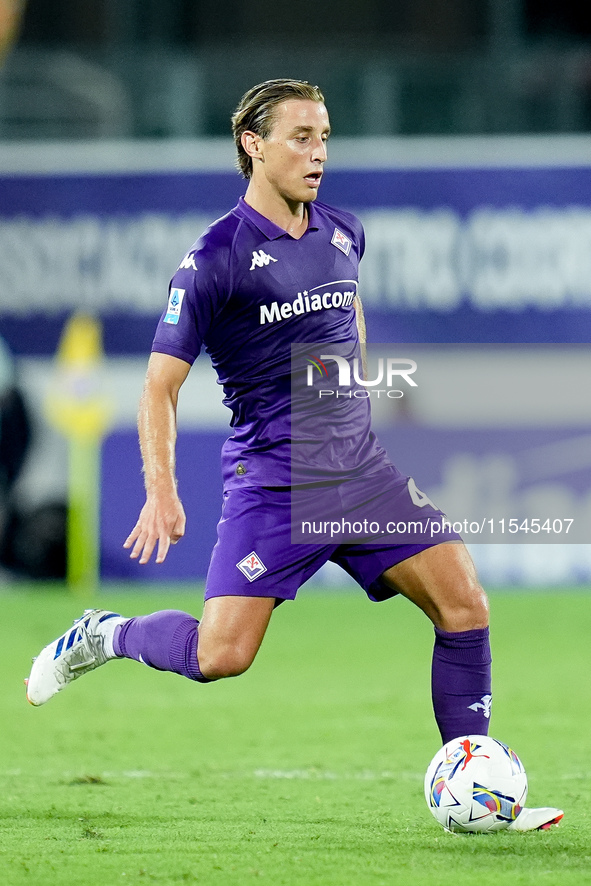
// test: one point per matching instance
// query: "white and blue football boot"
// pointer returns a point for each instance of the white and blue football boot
(85, 646)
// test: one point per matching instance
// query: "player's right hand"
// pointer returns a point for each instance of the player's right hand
(161, 522)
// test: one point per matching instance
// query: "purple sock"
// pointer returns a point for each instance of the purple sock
(166, 641)
(460, 683)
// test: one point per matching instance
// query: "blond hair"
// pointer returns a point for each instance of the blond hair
(256, 112)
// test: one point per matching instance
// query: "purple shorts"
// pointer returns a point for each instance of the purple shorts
(255, 555)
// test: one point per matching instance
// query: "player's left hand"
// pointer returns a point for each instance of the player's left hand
(161, 522)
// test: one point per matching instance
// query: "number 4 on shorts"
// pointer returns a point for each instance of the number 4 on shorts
(420, 499)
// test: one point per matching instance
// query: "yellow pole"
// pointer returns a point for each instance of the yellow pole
(78, 407)
(83, 563)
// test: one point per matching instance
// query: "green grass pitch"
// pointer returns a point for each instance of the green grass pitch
(306, 770)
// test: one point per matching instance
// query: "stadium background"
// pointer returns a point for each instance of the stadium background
(461, 140)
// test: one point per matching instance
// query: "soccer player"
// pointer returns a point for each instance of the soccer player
(279, 269)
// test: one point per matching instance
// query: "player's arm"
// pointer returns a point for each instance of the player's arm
(360, 320)
(162, 519)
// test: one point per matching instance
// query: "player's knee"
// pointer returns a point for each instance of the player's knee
(467, 611)
(224, 662)
(477, 610)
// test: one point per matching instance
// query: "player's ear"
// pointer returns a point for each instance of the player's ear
(252, 144)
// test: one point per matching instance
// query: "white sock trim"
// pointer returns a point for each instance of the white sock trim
(107, 629)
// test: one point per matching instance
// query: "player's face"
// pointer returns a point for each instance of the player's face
(294, 153)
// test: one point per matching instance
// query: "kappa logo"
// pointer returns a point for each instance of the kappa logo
(483, 705)
(252, 566)
(188, 263)
(341, 242)
(260, 259)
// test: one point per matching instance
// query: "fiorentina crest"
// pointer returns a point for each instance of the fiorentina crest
(252, 566)
(341, 242)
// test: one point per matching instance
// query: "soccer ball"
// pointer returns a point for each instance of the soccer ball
(475, 784)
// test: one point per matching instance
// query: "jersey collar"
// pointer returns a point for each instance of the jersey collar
(269, 228)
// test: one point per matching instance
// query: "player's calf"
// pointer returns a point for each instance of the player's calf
(231, 632)
(442, 581)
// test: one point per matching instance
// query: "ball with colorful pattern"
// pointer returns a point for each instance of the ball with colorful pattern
(475, 784)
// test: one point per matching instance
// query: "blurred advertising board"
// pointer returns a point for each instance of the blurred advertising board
(466, 240)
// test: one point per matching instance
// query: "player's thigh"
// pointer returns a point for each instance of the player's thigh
(254, 555)
(230, 633)
(442, 581)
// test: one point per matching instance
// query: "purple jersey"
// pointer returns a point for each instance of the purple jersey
(248, 291)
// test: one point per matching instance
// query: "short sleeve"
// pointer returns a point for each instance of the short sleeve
(194, 297)
(361, 240)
